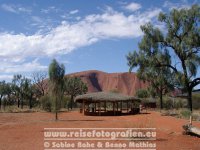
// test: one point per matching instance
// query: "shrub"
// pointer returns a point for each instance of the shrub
(185, 114)
(74, 105)
(65, 102)
(196, 100)
(179, 103)
(196, 117)
(168, 104)
(46, 103)
(142, 93)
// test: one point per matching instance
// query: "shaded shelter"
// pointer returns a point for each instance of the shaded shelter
(107, 103)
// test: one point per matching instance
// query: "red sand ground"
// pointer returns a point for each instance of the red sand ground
(24, 131)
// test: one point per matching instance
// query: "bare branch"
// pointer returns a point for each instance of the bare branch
(39, 79)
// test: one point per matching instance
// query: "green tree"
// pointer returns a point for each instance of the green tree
(2, 91)
(5, 90)
(159, 79)
(17, 83)
(181, 39)
(74, 86)
(29, 90)
(22, 89)
(46, 102)
(56, 86)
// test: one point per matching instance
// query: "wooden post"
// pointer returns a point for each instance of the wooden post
(191, 120)
(105, 106)
(81, 108)
(132, 104)
(127, 106)
(132, 108)
(121, 106)
(95, 107)
(99, 108)
(114, 107)
(84, 107)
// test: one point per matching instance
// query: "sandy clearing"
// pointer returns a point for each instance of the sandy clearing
(24, 131)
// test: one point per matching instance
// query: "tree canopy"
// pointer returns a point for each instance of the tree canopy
(74, 86)
(56, 86)
(176, 48)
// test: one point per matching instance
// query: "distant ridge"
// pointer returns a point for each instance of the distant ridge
(126, 83)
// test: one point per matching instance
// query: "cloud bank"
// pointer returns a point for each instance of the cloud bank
(68, 36)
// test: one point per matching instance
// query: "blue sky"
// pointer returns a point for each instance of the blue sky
(82, 34)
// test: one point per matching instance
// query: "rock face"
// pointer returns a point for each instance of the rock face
(126, 83)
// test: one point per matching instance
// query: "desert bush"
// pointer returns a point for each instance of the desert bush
(168, 103)
(15, 109)
(196, 117)
(185, 113)
(36, 103)
(74, 105)
(178, 104)
(46, 103)
(196, 101)
(142, 93)
(65, 102)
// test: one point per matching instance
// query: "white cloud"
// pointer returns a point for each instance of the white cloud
(178, 5)
(74, 11)
(133, 7)
(8, 8)
(6, 77)
(70, 36)
(15, 8)
(15, 49)
(9, 67)
(50, 9)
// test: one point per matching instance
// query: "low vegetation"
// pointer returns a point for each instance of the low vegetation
(142, 93)
(38, 93)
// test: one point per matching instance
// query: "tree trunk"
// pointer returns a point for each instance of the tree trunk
(189, 129)
(190, 99)
(56, 108)
(56, 115)
(30, 102)
(72, 98)
(22, 104)
(4, 104)
(18, 102)
(42, 93)
(189, 90)
(0, 103)
(161, 100)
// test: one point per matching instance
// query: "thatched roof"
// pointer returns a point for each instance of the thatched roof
(104, 96)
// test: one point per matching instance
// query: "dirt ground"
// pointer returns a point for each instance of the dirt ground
(25, 131)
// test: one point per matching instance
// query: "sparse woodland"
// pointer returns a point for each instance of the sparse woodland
(40, 91)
